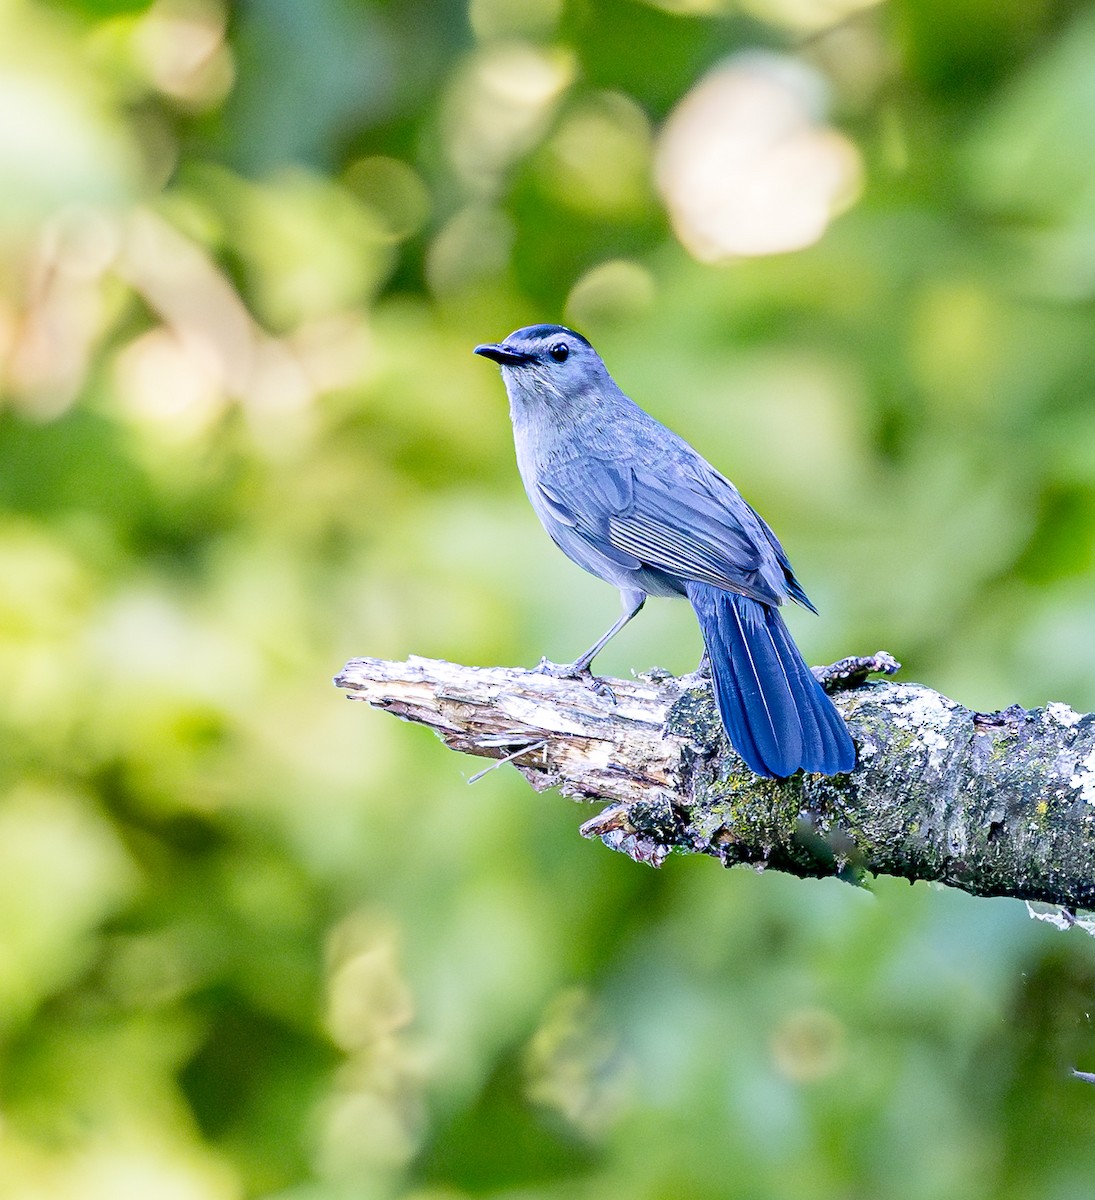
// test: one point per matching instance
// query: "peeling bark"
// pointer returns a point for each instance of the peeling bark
(999, 804)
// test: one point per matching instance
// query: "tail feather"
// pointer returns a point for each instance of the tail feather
(775, 712)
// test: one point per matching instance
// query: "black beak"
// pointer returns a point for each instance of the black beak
(501, 353)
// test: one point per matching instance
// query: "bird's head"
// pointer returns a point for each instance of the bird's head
(546, 360)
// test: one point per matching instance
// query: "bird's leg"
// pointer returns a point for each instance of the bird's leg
(701, 675)
(580, 668)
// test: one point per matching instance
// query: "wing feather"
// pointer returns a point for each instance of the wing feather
(695, 527)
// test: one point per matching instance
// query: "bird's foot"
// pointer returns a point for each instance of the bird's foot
(702, 673)
(852, 672)
(575, 670)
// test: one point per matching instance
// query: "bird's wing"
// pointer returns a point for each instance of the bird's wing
(691, 525)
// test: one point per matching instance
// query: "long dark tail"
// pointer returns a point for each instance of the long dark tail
(775, 713)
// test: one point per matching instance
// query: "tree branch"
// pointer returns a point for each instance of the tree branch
(999, 804)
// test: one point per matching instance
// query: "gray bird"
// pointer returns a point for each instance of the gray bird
(635, 505)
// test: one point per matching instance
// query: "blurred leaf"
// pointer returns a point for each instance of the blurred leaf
(1033, 155)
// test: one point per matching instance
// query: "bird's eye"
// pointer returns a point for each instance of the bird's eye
(559, 351)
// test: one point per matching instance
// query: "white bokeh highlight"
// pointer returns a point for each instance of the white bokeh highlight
(747, 166)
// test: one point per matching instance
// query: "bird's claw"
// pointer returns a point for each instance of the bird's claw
(562, 670)
(575, 671)
(700, 676)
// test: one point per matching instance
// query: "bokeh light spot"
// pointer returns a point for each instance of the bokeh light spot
(394, 191)
(180, 44)
(611, 293)
(598, 161)
(499, 107)
(745, 165)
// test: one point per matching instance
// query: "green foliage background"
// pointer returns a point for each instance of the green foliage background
(255, 941)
